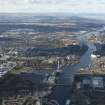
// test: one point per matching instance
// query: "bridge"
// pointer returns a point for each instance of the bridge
(67, 85)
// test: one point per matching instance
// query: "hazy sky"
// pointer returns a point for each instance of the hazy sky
(75, 6)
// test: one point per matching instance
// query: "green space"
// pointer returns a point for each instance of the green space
(18, 70)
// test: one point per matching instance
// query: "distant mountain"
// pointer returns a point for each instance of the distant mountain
(29, 17)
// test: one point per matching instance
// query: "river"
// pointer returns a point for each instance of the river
(61, 93)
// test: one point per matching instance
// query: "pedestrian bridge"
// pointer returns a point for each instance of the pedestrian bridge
(67, 85)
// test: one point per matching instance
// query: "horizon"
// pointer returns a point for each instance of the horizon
(96, 16)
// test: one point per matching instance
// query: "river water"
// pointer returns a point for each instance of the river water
(61, 93)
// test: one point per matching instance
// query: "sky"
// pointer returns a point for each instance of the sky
(46, 6)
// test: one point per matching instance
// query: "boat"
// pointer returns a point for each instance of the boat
(68, 102)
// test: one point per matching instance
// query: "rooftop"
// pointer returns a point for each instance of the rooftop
(96, 68)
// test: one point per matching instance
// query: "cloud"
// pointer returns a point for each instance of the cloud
(74, 6)
(44, 1)
(32, 1)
